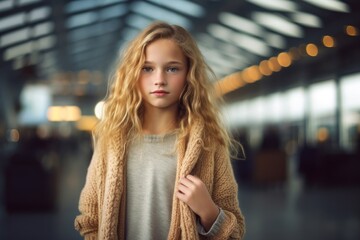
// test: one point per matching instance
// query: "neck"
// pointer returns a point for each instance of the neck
(159, 122)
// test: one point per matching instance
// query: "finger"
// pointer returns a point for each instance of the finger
(186, 182)
(181, 196)
(193, 178)
(183, 189)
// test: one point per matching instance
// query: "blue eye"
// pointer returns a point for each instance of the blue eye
(172, 69)
(147, 69)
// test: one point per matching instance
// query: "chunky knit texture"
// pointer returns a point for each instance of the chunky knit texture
(102, 204)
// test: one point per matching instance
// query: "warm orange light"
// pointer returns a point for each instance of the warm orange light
(264, 68)
(55, 113)
(251, 74)
(236, 80)
(86, 123)
(322, 134)
(73, 113)
(312, 50)
(229, 84)
(63, 113)
(220, 88)
(328, 41)
(274, 64)
(254, 73)
(284, 59)
(351, 30)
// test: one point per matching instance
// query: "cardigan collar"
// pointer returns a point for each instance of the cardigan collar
(183, 223)
(114, 188)
(190, 151)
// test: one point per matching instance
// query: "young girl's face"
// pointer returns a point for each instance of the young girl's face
(163, 75)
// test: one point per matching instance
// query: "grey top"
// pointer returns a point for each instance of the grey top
(151, 172)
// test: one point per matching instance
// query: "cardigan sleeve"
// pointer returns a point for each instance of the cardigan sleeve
(87, 221)
(225, 195)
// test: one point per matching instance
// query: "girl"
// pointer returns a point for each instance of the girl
(160, 168)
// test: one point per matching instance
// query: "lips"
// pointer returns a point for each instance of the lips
(159, 93)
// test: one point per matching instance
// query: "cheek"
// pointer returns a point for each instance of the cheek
(179, 86)
(141, 83)
(181, 81)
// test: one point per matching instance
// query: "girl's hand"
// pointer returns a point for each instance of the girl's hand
(192, 191)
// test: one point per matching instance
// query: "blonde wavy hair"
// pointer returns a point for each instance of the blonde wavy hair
(123, 111)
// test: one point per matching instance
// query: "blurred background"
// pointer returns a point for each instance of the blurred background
(289, 72)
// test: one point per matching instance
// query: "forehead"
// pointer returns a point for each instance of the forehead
(164, 50)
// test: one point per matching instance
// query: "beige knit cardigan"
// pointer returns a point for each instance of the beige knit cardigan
(102, 200)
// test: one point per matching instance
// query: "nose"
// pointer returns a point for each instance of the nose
(160, 79)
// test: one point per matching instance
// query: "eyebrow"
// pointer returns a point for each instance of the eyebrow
(171, 62)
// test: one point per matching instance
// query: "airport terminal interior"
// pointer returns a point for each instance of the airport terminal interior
(287, 70)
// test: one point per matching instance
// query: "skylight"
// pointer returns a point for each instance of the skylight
(240, 23)
(110, 26)
(246, 42)
(277, 5)
(113, 12)
(108, 2)
(227, 49)
(26, 2)
(39, 13)
(129, 33)
(80, 46)
(234, 52)
(275, 40)
(18, 50)
(105, 13)
(14, 37)
(307, 19)
(6, 5)
(76, 6)
(158, 13)
(81, 19)
(278, 24)
(251, 44)
(185, 7)
(43, 29)
(137, 21)
(206, 39)
(333, 5)
(219, 32)
(86, 55)
(46, 42)
(84, 32)
(216, 57)
(12, 21)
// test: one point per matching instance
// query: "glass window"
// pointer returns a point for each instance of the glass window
(322, 129)
(294, 104)
(350, 111)
(322, 98)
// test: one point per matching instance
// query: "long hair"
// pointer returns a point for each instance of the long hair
(123, 111)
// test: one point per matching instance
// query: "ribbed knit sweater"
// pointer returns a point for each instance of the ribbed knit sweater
(102, 200)
(151, 171)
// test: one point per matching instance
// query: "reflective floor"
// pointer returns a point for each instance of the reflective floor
(289, 211)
